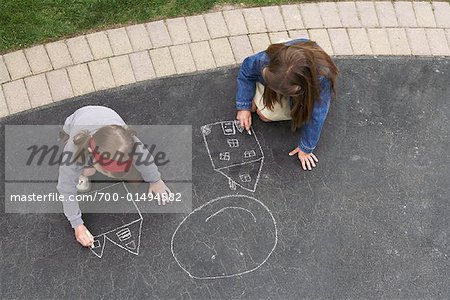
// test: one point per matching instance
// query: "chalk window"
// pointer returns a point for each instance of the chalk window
(131, 245)
(224, 156)
(233, 143)
(245, 178)
(228, 128)
(249, 153)
(96, 244)
(123, 234)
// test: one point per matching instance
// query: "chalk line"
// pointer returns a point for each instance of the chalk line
(105, 234)
(231, 275)
(230, 207)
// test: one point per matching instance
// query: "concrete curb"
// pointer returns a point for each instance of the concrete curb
(45, 74)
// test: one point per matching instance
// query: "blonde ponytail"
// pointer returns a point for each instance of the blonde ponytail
(130, 130)
(81, 141)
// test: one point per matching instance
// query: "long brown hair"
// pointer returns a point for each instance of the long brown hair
(294, 71)
(113, 139)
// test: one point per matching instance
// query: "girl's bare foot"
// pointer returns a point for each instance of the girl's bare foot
(261, 116)
(84, 185)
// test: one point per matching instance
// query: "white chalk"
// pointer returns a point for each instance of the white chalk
(249, 132)
(89, 235)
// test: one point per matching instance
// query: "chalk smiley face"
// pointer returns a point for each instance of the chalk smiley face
(226, 237)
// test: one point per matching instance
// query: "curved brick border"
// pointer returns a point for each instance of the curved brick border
(52, 72)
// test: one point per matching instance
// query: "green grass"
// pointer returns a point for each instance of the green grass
(27, 22)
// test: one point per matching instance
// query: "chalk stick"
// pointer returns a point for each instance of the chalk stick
(89, 235)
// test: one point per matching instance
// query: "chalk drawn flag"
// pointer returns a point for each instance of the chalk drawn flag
(234, 153)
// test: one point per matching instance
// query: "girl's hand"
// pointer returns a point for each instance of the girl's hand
(245, 118)
(159, 188)
(307, 159)
(83, 236)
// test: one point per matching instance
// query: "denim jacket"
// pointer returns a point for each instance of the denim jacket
(251, 72)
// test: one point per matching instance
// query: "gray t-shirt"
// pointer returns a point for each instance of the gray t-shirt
(91, 118)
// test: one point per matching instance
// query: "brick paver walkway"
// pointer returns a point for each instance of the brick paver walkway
(60, 70)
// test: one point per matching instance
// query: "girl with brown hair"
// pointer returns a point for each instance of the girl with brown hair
(97, 139)
(292, 81)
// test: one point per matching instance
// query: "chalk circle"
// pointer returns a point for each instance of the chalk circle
(225, 237)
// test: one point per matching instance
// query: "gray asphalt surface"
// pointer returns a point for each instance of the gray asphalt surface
(372, 220)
